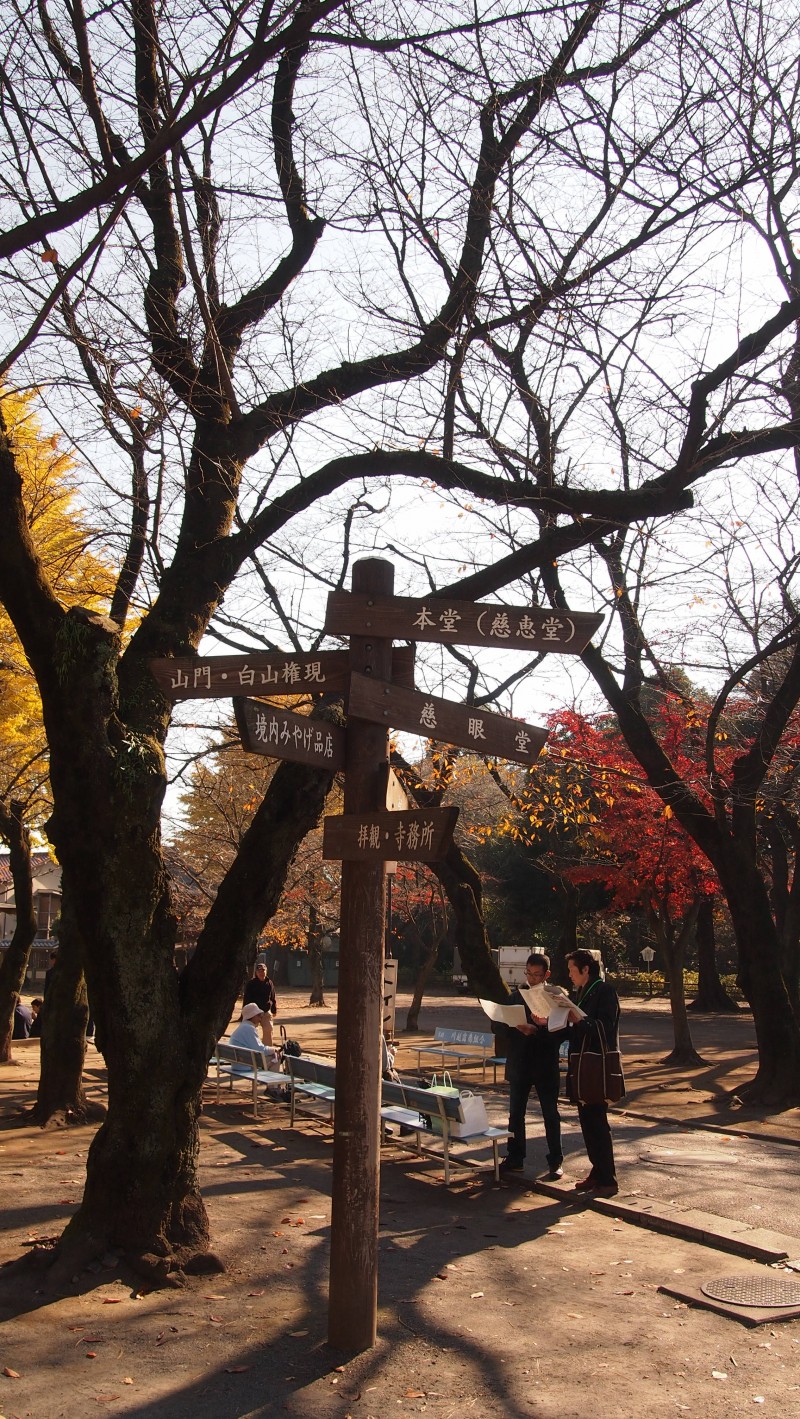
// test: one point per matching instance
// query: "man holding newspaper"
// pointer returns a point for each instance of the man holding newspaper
(532, 1064)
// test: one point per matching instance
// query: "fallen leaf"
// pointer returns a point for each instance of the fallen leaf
(113, 1300)
(718, 1375)
(475, 1294)
(284, 1220)
(236, 1369)
(10, 1374)
(91, 1354)
(574, 1315)
(212, 1297)
(415, 1394)
(256, 1293)
(105, 1398)
(127, 1380)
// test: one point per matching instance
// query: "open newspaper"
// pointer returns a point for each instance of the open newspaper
(504, 1014)
(551, 1002)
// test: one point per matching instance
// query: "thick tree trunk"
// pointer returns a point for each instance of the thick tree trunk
(777, 1080)
(712, 997)
(142, 1196)
(14, 961)
(156, 1029)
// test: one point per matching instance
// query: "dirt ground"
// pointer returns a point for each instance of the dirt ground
(493, 1301)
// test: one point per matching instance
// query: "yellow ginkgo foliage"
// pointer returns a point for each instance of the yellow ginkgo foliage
(67, 546)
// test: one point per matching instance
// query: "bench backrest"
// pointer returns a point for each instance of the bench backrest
(425, 1101)
(463, 1037)
(312, 1071)
(234, 1054)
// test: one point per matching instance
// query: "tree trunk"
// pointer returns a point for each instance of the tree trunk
(423, 976)
(712, 997)
(777, 1080)
(14, 961)
(683, 1053)
(462, 886)
(568, 939)
(60, 1098)
(157, 1029)
(315, 958)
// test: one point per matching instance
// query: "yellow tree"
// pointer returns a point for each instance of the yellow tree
(64, 540)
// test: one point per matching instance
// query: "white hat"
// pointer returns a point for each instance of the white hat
(251, 1011)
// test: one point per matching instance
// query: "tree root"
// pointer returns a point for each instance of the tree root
(684, 1059)
(86, 1112)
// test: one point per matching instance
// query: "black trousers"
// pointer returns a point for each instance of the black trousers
(545, 1080)
(593, 1119)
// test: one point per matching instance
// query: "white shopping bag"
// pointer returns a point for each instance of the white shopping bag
(473, 1116)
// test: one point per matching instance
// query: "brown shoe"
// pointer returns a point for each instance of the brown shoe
(587, 1185)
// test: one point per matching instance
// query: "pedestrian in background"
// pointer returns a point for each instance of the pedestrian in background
(261, 992)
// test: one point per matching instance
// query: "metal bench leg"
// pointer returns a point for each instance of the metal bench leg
(446, 1151)
(496, 1160)
(255, 1098)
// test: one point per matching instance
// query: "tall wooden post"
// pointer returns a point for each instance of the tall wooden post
(353, 1295)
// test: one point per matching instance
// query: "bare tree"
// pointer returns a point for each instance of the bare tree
(328, 290)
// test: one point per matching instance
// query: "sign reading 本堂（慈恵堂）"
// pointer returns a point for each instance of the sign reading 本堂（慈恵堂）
(524, 628)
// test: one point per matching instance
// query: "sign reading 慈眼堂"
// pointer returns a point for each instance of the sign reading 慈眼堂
(524, 628)
(414, 836)
(488, 734)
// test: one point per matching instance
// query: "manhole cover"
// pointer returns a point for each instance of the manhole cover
(766, 1291)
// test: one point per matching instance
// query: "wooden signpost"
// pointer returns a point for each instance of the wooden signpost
(377, 829)
(523, 628)
(418, 836)
(492, 734)
(280, 734)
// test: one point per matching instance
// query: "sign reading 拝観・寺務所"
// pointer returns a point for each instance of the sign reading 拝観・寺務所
(418, 835)
(523, 628)
(280, 734)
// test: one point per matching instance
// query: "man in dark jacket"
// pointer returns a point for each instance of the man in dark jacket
(261, 992)
(600, 1005)
(533, 1064)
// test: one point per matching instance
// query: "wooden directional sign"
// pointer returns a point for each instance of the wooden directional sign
(279, 734)
(525, 628)
(419, 835)
(191, 677)
(491, 734)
